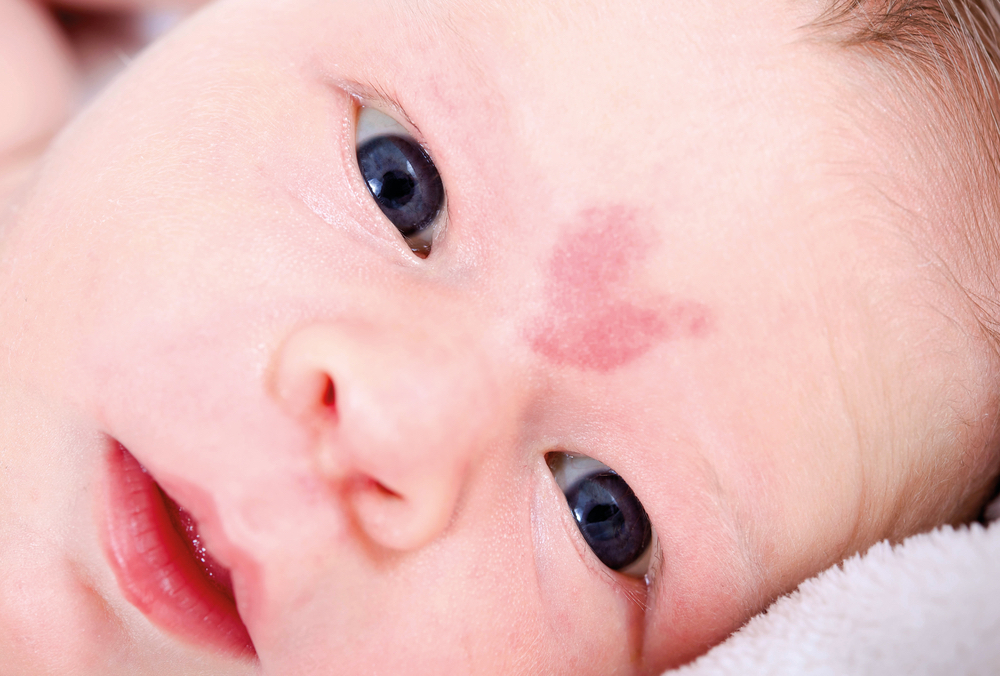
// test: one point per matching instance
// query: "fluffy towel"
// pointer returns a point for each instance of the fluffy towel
(930, 605)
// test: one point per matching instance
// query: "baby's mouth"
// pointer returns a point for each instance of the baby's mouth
(161, 563)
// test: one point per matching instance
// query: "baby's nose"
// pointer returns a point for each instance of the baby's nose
(399, 417)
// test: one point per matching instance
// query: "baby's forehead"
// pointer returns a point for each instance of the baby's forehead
(596, 68)
(615, 102)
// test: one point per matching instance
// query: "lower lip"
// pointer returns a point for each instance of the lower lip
(155, 568)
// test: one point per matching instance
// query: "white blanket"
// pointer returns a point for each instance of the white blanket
(930, 605)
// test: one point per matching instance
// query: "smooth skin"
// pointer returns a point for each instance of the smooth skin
(764, 347)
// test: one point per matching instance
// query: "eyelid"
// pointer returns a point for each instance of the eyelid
(370, 121)
(636, 589)
(561, 555)
(566, 469)
(378, 98)
(403, 125)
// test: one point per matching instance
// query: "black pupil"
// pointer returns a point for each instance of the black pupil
(397, 189)
(611, 518)
(604, 521)
(403, 180)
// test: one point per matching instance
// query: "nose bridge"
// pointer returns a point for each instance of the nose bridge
(399, 411)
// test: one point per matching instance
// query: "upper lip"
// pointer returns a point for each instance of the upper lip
(154, 565)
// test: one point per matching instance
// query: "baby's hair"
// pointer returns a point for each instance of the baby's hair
(931, 31)
(942, 56)
(951, 46)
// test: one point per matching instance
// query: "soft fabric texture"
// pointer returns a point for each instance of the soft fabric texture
(930, 605)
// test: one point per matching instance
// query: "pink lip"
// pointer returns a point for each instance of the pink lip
(155, 566)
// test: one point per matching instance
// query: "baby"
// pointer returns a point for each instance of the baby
(461, 337)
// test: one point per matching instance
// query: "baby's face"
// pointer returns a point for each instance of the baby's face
(657, 249)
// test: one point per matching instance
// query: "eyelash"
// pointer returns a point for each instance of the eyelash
(609, 516)
(400, 177)
(637, 590)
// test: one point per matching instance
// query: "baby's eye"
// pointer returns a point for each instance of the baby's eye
(609, 515)
(400, 176)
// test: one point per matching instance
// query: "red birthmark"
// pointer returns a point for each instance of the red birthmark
(591, 322)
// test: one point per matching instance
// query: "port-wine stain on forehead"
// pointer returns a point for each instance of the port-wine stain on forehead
(596, 319)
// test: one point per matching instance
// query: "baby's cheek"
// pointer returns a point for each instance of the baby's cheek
(592, 610)
(52, 620)
(704, 585)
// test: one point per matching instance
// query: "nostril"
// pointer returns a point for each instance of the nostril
(329, 394)
(386, 492)
(363, 484)
(303, 384)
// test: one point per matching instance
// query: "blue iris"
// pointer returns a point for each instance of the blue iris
(611, 519)
(403, 180)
